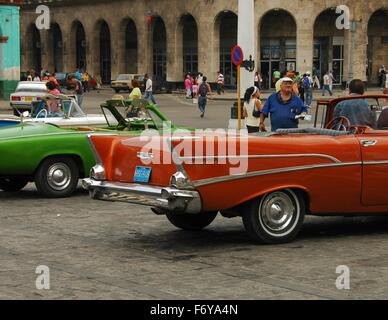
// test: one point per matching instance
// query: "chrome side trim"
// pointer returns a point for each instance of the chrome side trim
(373, 163)
(204, 182)
(259, 156)
(44, 134)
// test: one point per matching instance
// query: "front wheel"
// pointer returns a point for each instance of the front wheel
(275, 218)
(191, 222)
(12, 184)
(57, 177)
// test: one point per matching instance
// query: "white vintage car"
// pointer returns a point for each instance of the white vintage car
(26, 92)
(70, 114)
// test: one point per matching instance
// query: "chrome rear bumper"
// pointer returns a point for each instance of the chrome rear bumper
(168, 199)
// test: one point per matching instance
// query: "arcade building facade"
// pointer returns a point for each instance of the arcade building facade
(169, 38)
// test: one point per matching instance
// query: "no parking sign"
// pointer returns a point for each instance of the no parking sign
(237, 56)
(237, 59)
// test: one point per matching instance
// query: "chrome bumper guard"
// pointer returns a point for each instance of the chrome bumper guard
(168, 199)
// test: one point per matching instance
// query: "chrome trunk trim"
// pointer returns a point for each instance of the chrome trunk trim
(168, 199)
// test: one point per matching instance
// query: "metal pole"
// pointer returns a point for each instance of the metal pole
(239, 96)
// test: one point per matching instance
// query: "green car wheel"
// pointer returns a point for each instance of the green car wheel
(12, 184)
(57, 177)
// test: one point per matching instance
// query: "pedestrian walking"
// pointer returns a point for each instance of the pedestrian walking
(381, 75)
(220, 83)
(148, 90)
(203, 92)
(188, 86)
(283, 107)
(331, 80)
(386, 80)
(308, 88)
(252, 109)
(85, 81)
(199, 79)
(298, 80)
(195, 90)
(276, 76)
(326, 84)
(258, 80)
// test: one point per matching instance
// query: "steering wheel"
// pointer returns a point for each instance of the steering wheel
(41, 111)
(340, 124)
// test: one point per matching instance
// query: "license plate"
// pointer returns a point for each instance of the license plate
(142, 174)
(27, 99)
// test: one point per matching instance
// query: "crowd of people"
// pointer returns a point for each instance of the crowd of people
(76, 83)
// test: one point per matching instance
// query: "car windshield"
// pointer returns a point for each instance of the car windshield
(31, 87)
(135, 116)
(376, 105)
(60, 76)
(123, 77)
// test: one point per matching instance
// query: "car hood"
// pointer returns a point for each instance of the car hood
(28, 130)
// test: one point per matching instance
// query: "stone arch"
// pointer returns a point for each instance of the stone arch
(225, 38)
(128, 46)
(55, 48)
(277, 34)
(102, 50)
(187, 43)
(33, 48)
(329, 45)
(377, 51)
(78, 46)
(159, 49)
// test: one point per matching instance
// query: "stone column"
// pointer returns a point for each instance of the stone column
(115, 48)
(174, 53)
(45, 51)
(356, 40)
(68, 48)
(305, 43)
(92, 36)
(208, 47)
(144, 47)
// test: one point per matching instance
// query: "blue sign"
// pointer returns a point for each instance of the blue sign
(237, 55)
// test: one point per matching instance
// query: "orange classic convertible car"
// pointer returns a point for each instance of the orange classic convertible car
(271, 180)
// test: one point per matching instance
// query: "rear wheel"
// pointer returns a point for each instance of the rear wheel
(57, 177)
(12, 184)
(276, 217)
(191, 222)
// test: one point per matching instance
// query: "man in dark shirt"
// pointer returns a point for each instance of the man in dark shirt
(356, 110)
(283, 108)
(382, 123)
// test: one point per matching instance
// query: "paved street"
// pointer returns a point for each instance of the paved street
(102, 250)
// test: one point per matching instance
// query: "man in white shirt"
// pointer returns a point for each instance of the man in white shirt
(220, 82)
(148, 90)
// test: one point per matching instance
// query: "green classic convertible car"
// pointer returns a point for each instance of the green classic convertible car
(55, 158)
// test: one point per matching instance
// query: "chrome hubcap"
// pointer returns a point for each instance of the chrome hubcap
(277, 212)
(59, 176)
